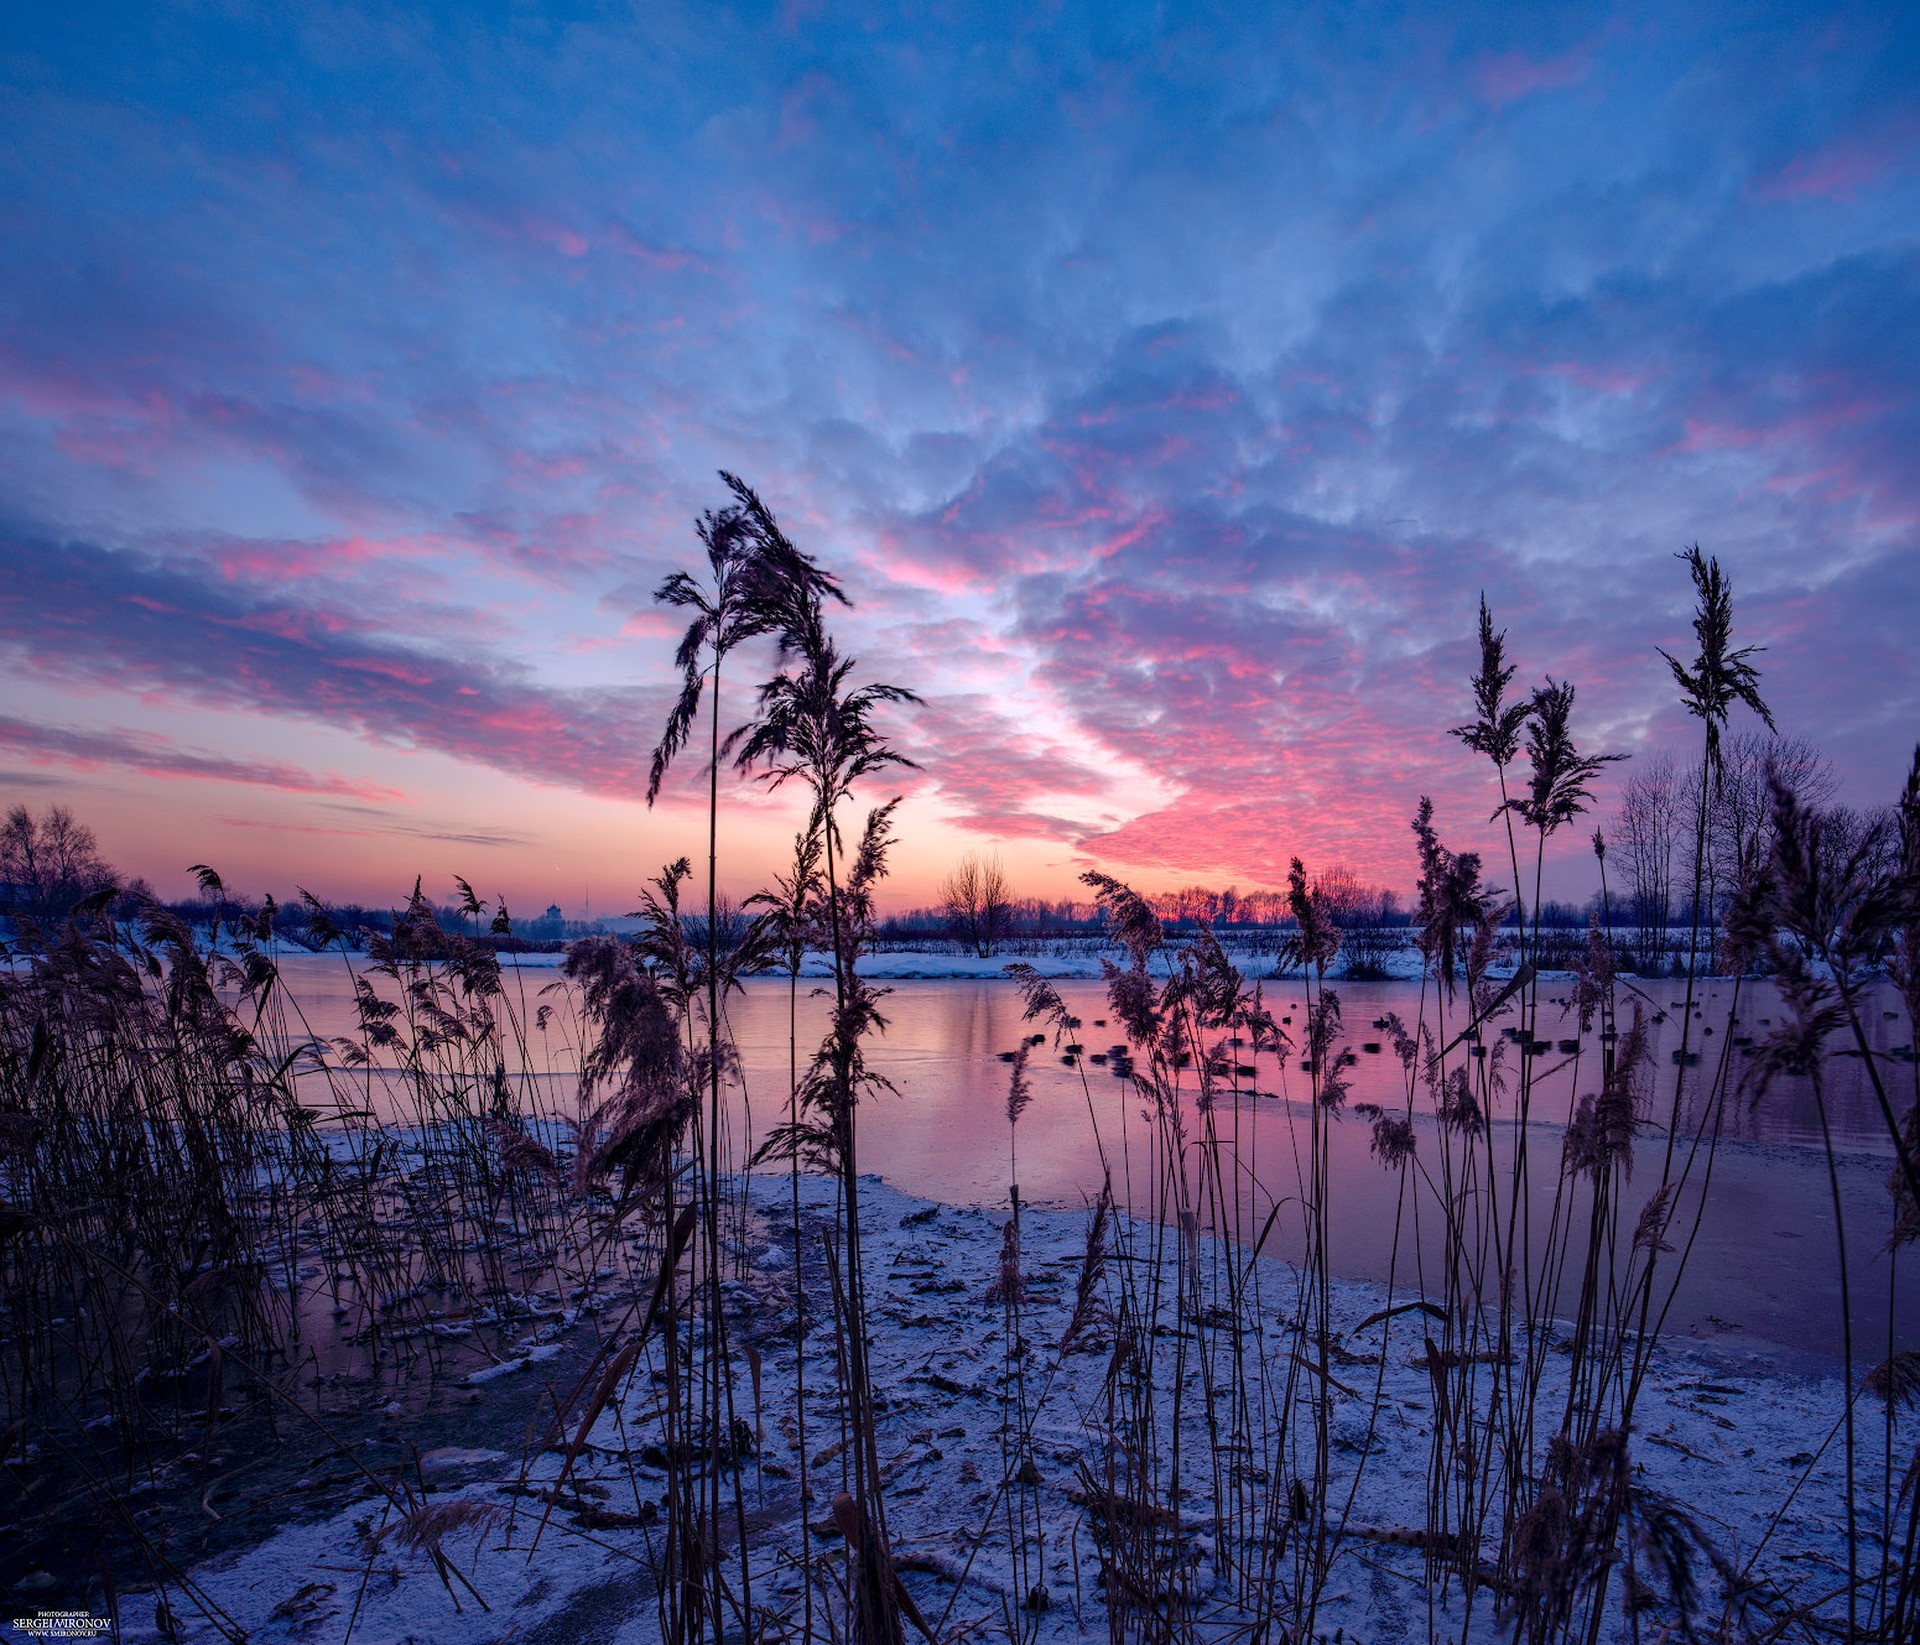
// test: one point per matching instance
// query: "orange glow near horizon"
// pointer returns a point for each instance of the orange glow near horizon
(347, 450)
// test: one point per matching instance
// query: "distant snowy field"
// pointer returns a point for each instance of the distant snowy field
(899, 965)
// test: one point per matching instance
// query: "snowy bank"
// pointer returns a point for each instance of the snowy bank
(1724, 1435)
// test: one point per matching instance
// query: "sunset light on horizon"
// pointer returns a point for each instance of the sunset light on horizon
(1165, 394)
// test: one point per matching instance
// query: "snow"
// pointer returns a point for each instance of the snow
(1728, 1435)
(902, 964)
(520, 1362)
(1403, 964)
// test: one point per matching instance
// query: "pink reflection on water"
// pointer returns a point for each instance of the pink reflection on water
(1760, 1274)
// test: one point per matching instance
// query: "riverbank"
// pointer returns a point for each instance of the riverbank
(1750, 1454)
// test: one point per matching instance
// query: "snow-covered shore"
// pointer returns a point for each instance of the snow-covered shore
(1726, 1436)
(919, 964)
(1400, 964)
(897, 964)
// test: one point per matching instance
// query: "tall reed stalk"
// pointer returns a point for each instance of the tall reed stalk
(815, 727)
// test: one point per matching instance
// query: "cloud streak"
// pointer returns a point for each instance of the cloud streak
(152, 755)
(78, 613)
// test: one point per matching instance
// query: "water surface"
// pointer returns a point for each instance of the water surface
(1763, 1264)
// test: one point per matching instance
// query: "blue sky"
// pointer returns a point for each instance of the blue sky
(1166, 386)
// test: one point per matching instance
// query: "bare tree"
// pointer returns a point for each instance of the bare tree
(1645, 833)
(1364, 915)
(51, 861)
(20, 855)
(1868, 839)
(978, 902)
(1739, 808)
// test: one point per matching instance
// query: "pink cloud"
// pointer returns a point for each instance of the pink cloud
(390, 668)
(661, 259)
(554, 235)
(267, 562)
(1601, 377)
(309, 382)
(150, 755)
(1142, 528)
(941, 568)
(1840, 168)
(1709, 432)
(996, 777)
(797, 125)
(653, 625)
(1508, 76)
(300, 627)
(796, 223)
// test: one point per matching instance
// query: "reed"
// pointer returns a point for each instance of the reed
(201, 1196)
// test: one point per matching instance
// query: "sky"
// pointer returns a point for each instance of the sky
(1165, 385)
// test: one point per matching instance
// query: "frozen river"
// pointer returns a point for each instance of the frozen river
(1761, 1273)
